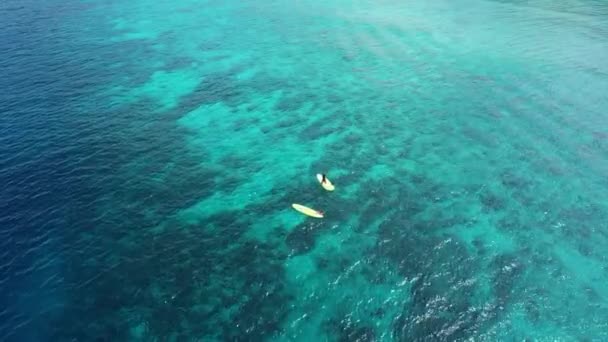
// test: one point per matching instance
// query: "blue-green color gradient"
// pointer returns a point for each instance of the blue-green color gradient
(150, 152)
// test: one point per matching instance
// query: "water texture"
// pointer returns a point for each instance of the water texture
(150, 152)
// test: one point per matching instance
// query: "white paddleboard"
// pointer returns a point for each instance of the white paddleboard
(327, 185)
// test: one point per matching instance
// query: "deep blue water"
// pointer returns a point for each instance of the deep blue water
(150, 153)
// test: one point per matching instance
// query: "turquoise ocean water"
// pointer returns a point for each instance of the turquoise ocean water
(151, 151)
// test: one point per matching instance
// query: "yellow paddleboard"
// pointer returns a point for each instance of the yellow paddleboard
(307, 211)
(327, 185)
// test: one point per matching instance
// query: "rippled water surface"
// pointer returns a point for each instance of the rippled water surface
(150, 152)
